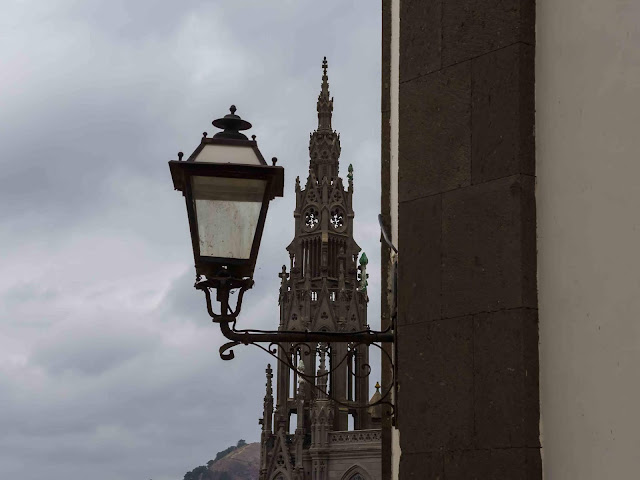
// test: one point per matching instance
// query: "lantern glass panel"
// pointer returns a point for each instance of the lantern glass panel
(228, 154)
(227, 212)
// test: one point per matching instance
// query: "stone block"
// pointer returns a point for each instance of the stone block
(506, 398)
(516, 464)
(435, 133)
(435, 398)
(420, 263)
(487, 259)
(503, 116)
(420, 37)
(476, 27)
(422, 466)
(467, 465)
(502, 464)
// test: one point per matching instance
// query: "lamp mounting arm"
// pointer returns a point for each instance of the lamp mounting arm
(291, 341)
(366, 337)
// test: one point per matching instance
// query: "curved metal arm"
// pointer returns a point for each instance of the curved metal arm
(225, 347)
(310, 379)
(227, 319)
(366, 337)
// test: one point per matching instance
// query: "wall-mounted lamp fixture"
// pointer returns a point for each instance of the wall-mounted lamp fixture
(227, 187)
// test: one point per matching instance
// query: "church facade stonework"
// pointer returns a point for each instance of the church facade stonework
(305, 427)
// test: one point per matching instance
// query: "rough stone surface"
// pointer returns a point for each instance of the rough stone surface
(435, 133)
(467, 337)
(475, 27)
(506, 378)
(421, 37)
(420, 236)
(422, 466)
(500, 464)
(483, 229)
(503, 114)
(435, 405)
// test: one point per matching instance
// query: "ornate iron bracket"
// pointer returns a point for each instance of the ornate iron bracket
(286, 339)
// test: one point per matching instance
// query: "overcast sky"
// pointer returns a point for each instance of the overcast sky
(109, 365)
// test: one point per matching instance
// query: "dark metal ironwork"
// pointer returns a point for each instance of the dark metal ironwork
(231, 124)
(310, 379)
(290, 341)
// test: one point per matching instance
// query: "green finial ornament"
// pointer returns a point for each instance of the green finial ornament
(350, 174)
(363, 275)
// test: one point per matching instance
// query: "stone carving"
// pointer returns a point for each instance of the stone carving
(356, 436)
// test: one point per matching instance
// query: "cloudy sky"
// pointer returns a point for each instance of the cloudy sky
(109, 366)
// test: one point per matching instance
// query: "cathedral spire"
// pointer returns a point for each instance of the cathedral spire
(324, 144)
(325, 103)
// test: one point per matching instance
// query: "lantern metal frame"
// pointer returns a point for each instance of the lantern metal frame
(183, 171)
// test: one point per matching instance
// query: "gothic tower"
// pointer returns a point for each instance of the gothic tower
(324, 290)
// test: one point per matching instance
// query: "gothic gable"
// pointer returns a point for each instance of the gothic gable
(323, 319)
(354, 322)
(293, 314)
(280, 458)
(337, 193)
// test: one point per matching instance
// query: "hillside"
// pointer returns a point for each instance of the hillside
(243, 463)
(239, 462)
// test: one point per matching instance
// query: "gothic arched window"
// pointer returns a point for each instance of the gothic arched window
(357, 476)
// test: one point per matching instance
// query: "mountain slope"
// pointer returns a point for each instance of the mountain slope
(243, 463)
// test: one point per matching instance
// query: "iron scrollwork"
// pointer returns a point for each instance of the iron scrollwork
(292, 341)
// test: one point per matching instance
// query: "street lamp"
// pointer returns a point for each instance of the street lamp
(227, 187)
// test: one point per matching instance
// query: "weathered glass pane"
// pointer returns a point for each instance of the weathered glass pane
(227, 212)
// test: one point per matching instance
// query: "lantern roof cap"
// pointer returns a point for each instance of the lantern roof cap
(231, 124)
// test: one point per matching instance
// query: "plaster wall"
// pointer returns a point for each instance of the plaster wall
(588, 194)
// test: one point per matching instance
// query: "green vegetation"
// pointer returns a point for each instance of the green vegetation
(198, 473)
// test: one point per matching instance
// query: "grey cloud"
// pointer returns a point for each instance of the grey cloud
(92, 352)
(111, 366)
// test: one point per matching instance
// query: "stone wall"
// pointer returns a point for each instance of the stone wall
(355, 451)
(468, 404)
